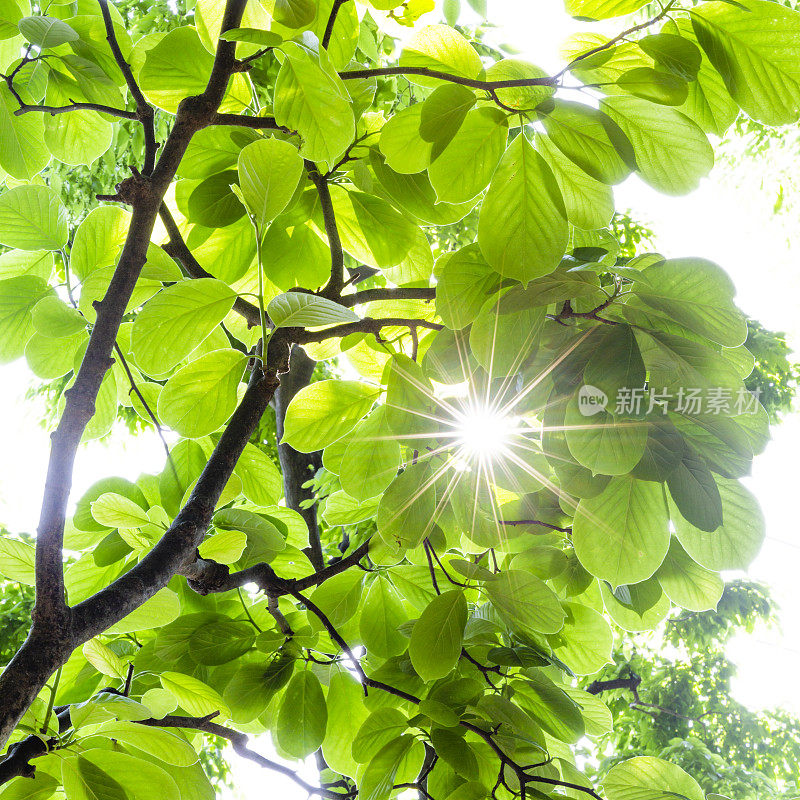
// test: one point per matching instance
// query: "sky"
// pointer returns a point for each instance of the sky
(729, 220)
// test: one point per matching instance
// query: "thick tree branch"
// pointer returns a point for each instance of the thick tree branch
(335, 284)
(298, 468)
(207, 577)
(56, 628)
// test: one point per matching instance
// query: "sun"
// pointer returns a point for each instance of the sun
(483, 432)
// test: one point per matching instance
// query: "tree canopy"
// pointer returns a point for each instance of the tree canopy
(523, 438)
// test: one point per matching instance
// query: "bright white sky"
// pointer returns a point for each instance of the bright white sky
(728, 220)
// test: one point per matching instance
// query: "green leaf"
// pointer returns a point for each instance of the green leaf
(303, 716)
(292, 13)
(226, 547)
(410, 403)
(262, 482)
(165, 745)
(601, 442)
(176, 320)
(401, 143)
(371, 230)
(381, 618)
(467, 164)
(346, 713)
(324, 412)
(372, 457)
(674, 53)
(10, 14)
(622, 534)
(138, 779)
(338, 598)
(381, 773)
(648, 778)
(311, 99)
(194, 696)
(18, 297)
(636, 607)
(521, 98)
(590, 139)
(415, 194)
(440, 48)
(177, 67)
(297, 309)
(615, 364)
(584, 643)
(525, 602)
(589, 203)
(737, 541)
(269, 171)
(115, 511)
(406, 511)
(14, 263)
(46, 31)
(686, 583)
(464, 284)
(17, 561)
(756, 53)
(672, 153)
(199, 398)
(522, 230)
(104, 659)
(655, 86)
(32, 218)
(254, 685)
(444, 112)
(53, 318)
(221, 641)
(213, 203)
(697, 294)
(83, 780)
(252, 36)
(99, 240)
(262, 536)
(22, 149)
(163, 607)
(436, 638)
(602, 9)
(709, 104)
(695, 492)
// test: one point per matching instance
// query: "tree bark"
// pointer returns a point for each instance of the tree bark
(298, 467)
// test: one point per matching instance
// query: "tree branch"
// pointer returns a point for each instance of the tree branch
(56, 629)
(178, 249)
(326, 37)
(370, 295)
(244, 121)
(144, 111)
(472, 83)
(298, 468)
(333, 288)
(366, 325)
(240, 744)
(25, 108)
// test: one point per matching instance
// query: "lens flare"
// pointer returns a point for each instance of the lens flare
(483, 432)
